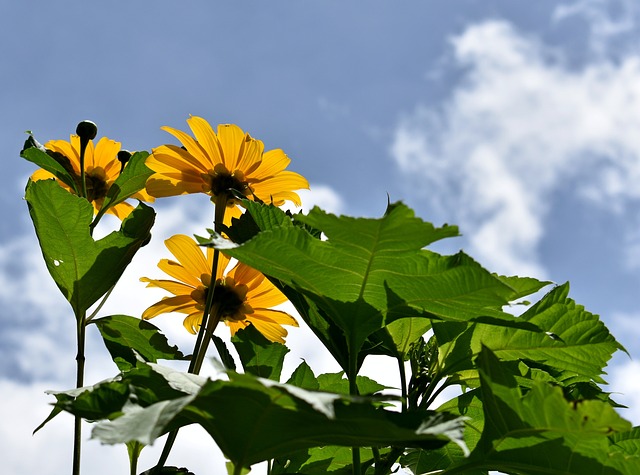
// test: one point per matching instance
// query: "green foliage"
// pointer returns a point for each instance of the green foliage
(130, 339)
(53, 162)
(564, 437)
(83, 268)
(258, 355)
(129, 182)
(252, 419)
(532, 402)
(371, 272)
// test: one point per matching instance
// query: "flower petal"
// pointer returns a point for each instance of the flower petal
(176, 288)
(189, 254)
(177, 271)
(231, 138)
(207, 139)
(179, 303)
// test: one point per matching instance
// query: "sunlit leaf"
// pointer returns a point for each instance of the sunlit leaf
(53, 162)
(83, 268)
(258, 355)
(254, 419)
(575, 343)
(129, 338)
(370, 272)
(132, 179)
(541, 432)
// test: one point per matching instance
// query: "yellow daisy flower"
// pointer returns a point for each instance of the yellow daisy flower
(102, 167)
(243, 294)
(217, 163)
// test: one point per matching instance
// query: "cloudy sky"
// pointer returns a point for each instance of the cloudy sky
(518, 121)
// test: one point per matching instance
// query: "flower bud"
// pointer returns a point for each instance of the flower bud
(123, 157)
(87, 130)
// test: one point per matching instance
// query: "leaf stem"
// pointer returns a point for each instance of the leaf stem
(80, 359)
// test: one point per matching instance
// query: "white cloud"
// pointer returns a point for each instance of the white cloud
(319, 195)
(607, 19)
(520, 125)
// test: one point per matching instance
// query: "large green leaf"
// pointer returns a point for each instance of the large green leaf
(254, 419)
(370, 272)
(542, 433)
(84, 269)
(575, 345)
(129, 338)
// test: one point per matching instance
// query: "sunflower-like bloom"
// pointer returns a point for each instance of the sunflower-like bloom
(102, 167)
(215, 164)
(242, 295)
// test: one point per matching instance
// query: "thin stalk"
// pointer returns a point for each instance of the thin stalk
(207, 326)
(77, 428)
(83, 178)
(353, 391)
(403, 382)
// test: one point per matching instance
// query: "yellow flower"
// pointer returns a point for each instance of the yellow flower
(243, 295)
(217, 163)
(102, 167)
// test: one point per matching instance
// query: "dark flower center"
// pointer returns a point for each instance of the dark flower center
(229, 297)
(221, 181)
(97, 186)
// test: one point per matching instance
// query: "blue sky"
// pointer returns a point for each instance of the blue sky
(518, 121)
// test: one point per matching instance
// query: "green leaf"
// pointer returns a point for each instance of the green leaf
(128, 338)
(84, 269)
(320, 460)
(132, 179)
(425, 461)
(53, 162)
(396, 338)
(223, 352)
(541, 432)
(258, 355)
(337, 383)
(575, 345)
(370, 272)
(255, 419)
(304, 378)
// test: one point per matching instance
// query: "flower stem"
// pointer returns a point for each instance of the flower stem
(353, 391)
(77, 432)
(210, 319)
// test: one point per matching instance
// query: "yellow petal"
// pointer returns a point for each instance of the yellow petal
(179, 303)
(173, 158)
(106, 153)
(207, 139)
(160, 187)
(231, 138)
(192, 322)
(266, 324)
(176, 288)
(177, 271)
(273, 162)
(251, 156)
(189, 254)
(191, 145)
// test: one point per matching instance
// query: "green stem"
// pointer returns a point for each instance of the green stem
(353, 391)
(77, 432)
(403, 382)
(83, 179)
(207, 326)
